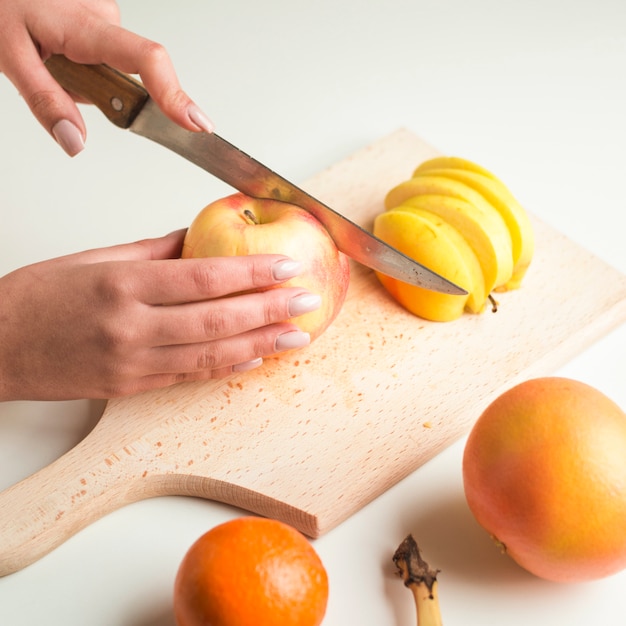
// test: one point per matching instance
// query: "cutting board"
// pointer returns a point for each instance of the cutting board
(313, 436)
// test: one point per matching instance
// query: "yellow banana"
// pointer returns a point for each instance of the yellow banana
(477, 226)
(452, 162)
(493, 223)
(437, 245)
(495, 192)
(478, 294)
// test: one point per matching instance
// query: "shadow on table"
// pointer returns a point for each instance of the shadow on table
(161, 615)
(452, 540)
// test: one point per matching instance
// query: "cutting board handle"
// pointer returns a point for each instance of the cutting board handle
(179, 440)
(119, 96)
(45, 509)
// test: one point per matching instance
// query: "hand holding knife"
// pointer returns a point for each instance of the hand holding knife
(126, 103)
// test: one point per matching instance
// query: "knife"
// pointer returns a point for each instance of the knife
(126, 103)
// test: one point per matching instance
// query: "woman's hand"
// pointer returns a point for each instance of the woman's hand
(85, 32)
(120, 320)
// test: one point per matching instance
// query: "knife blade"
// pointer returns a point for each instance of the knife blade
(126, 103)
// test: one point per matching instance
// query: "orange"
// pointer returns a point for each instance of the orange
(251, 571)
(544, 471)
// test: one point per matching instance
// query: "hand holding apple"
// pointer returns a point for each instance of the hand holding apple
(240, 225)
(96, 326)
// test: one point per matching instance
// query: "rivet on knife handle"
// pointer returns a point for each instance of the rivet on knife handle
(96, 84)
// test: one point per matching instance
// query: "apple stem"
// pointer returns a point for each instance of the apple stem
(251, 217)
(421, 580)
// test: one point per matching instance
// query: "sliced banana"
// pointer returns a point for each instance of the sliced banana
(493, 223)
(434, 243)
(498, 194)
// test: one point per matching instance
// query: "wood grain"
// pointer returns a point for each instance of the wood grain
(313, 436)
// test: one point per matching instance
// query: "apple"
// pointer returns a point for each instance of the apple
(241, 225)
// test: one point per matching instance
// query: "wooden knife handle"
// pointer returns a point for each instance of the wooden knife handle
(119, 96)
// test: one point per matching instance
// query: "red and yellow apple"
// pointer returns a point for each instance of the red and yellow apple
(238, 225)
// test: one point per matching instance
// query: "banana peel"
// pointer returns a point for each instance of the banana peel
(421, 580)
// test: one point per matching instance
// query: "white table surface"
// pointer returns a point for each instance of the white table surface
(534, 90)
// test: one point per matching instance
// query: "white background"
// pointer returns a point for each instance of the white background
(533, 90)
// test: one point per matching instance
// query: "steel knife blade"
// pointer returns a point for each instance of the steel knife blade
(126, 103)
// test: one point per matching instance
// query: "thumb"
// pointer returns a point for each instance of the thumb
(158, 248)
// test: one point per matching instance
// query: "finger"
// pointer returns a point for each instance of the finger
(155, 274)
(49, 102)
(193, 280)
(225, 317)
(226, 353)
(160, 248)
(158, 381)
(107, 10)
(133, 54)
(149, 249)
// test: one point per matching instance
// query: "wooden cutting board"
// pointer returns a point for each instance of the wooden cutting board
(313, 436)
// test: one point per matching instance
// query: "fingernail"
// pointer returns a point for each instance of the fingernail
(68, 137)
(291, 340)
(304, 303)
(286, 269)
(246, 366)
(200, 119)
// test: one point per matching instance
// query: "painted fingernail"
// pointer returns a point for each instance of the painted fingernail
(286, 269)
(68, 137)
(246, 366)
(304, 303)
(291, 340)
(200, 118)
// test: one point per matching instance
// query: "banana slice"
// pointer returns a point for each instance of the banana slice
(476, 226)
(495, 192)
(433, 242)
(491, 220)
(452, 162)
(479, 293)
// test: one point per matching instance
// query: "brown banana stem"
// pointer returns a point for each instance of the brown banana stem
(421, 580)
